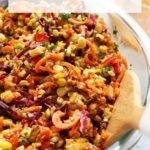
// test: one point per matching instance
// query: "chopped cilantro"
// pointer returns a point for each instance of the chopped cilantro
(105, 70)
(45, 44)
(101, 56)
(37, 127)
(52, 47)
(65, 16)
(94, 96)
(116, 46)
(115, 31)
(96, 15)
(65, 52)
(42, 55)
(74, 140)
(22, 140)
(18, 47)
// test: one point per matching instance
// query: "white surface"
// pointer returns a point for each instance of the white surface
(144, 125)
(142, 144)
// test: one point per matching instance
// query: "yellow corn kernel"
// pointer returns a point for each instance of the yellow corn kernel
(7, 96)
(5, 145)
(59, 75)
(26, 132)
(24, 83)
(55, 33)
(37, 51)
(61, 45)
(31, 22)
(2, 38)
(60, 100)
(47, 113)
(103, 48)
(58, 68)
(62, 91)
(100, 36)
(81, 42)
(61, 82)
(98, 27)
(1, 23)
(22, 73)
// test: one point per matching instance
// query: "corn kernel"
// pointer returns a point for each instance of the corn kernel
(62, 91)
(61, 82)
(59, 75)
(55, 33)
(103, 48)
(2, 38)
(98, 27)
(100, 36)
(26, 132)
(58, 68)
(7, 96)
(37, 51)
(22, 73)
(81, 42)
(5, 145)
(60, 100)
(24, 83)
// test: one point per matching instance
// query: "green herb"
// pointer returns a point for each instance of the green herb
(37, 127)
(22, 140)
(52, 47)
(105, 70)
(65, 16)
(96, 15)
(42, 55)
(65, 52)
(94, 96)
(115, 31)
(45, 44)
(130, 65)
(18, 47)
(101, 56)
(116, 46)
(74, 140)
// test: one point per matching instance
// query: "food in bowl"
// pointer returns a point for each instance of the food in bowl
(60, 76)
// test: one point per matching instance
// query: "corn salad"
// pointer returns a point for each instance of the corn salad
(59, 78)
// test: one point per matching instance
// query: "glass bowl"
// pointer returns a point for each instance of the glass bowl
(137, 61)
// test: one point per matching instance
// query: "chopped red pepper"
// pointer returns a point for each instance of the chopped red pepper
(110, 61)
(41, 37)
(36, 59)
(116, 67)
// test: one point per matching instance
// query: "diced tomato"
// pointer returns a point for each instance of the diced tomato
(36, 59)
(116, 67)
(41, 37)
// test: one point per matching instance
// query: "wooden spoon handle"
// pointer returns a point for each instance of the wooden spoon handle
(144, 123)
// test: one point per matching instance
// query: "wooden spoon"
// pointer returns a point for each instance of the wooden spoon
(128, 112)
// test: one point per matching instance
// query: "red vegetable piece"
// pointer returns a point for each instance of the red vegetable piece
(36, 59)
(41, 37)
(110, 61)
(116, 67)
